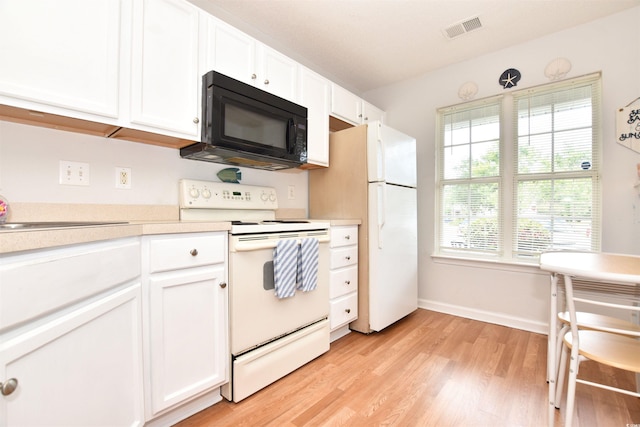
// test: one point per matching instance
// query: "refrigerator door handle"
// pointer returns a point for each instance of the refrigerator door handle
(382, 208)
(382, 153)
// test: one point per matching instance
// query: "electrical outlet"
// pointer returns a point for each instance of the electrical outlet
(74, 173)
(123, 178)
(291, 193)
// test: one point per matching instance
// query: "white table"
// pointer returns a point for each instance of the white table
(606, 268)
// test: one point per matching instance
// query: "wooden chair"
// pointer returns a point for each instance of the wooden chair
(595, 337)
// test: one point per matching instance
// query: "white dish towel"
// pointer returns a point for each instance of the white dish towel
(308, 265)
(295, 266)
(285, 268)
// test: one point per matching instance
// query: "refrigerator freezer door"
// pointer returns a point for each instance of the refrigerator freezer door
(391, 155)
(393, 254)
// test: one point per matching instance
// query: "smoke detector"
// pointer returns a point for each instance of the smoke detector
(462, 27)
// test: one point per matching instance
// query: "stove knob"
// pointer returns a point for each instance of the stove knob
(272, 197)
(206, 193)
(194, 193)
(264, 197)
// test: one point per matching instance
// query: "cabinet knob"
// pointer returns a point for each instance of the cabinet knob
(253, 76)
(347, 237)
(347, 282)
(266, 81)
(347, 310)
(196, 120)
(193, 252)
(223, 285)
(9, 386)
(347, 257)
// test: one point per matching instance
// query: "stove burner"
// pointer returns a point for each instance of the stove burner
(243, 223)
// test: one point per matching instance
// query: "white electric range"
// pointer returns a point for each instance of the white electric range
(269, 336)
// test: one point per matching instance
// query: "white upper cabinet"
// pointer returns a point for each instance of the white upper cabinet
(230, 52)
(371, 113)
(61, 57)
(315, 94)
(165, 78)
(278, 74)
(345, 105)
(236, 54)
(351, 108)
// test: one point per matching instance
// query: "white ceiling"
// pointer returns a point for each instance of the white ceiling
(366, 44)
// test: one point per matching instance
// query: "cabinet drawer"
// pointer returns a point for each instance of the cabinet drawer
(343, 310)
(344, 236)
(344, 257)
(35, 284)
(173, 252)
(343, 281)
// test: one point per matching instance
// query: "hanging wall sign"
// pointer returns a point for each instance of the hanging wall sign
(628, 125)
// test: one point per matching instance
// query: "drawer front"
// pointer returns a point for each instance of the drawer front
(344, 236)
(35, 284)
(343, 310)
(343, 281)
(344, 257)
(173, 252)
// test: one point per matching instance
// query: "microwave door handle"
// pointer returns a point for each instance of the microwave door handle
(291, 136)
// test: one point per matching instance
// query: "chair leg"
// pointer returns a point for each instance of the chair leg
(562, 370)
(574, 364)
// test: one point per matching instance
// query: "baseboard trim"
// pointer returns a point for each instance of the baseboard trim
(485, 316)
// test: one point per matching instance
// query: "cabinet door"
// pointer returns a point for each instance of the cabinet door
(63, 54)
(81, 369)
(371, 113)
(187, 334)
(345, 105)
(278, 74)
(230, 51)
(165, 75)
(315, 94)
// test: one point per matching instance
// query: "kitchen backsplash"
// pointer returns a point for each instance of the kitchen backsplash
(30, 170)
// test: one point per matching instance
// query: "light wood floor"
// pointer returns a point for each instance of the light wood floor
(430, 369)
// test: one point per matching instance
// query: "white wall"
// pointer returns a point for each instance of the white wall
(29, 170)
(510, 295)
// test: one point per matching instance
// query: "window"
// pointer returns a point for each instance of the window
(519, 174)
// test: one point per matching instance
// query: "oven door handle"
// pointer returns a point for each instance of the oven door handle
(256, 245)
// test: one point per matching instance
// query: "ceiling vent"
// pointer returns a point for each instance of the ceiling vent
(462, 27)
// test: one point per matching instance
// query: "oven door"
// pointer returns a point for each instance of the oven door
(257, 316)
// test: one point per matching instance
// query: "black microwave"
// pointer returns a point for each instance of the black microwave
(246, 126)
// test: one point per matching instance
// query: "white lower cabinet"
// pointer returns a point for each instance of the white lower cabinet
(343, 288)
(185, 315)
(77, 361)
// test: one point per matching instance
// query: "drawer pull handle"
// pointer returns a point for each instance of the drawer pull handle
(9, 386)
(193, 252)
(348, 310)
(223, 285)
(347, 282)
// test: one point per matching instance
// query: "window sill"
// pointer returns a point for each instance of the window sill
(491, 264)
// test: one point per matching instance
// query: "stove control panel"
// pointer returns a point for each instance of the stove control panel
(196, 194)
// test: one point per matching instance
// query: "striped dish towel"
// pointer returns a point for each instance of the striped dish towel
(308, 265)
(285, 268)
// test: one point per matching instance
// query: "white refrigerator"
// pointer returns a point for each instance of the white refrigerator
(372, 177)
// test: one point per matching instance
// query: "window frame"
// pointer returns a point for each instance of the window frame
(508, 175)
